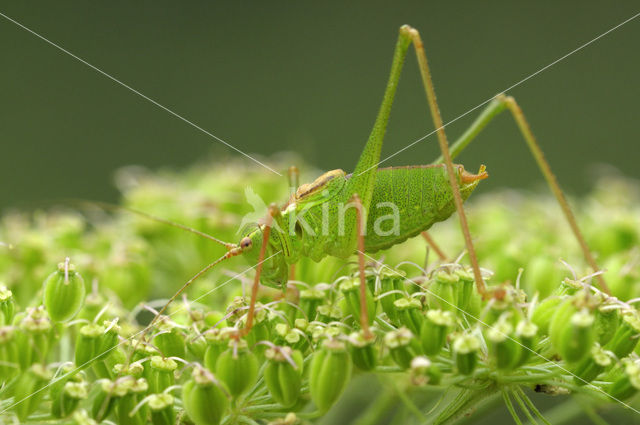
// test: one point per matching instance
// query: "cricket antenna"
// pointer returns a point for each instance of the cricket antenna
(107, 206)
(236, 250)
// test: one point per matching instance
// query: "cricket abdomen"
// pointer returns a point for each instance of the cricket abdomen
(409, 200)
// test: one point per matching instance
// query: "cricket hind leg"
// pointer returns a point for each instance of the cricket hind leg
(425, 74)
(294, 182)
(497, 105)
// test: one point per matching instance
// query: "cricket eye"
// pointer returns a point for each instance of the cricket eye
(246, 243)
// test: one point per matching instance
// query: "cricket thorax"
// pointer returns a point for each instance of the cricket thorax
(318, 184)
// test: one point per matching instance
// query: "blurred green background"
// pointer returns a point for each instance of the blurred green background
(305, 76)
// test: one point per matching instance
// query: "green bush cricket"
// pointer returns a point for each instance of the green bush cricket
(335, 214)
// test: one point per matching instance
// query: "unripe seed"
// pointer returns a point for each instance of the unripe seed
(161, 407)
(204, 398)
(283, 374)
(571, 331)
(589, 368)
(410, 313)
(400, 346)
(329, 374)
(544, 312)
(466, 349)
(351, 290)
(64, 292)
(503, 347)
(626, 336)
(68, 399)
(28, 389)
(310, 300)
(434, 330)
(237, 367)
(7, 305)
(444, 291)
(387, 298)
(526, 332)
(170, 341)
(162, 370)
(625, 381)
(424, 372)
(363, 351)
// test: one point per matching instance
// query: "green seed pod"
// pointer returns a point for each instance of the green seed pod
(410, 313)
(162, 370)
(170, 341)
(217, 342)
(161, 407)
(9, 355)
(466, 349)
(503, 347)
(444, 291)
(606, 322)
(329, 374)
(400, 346)
(626, 336)
(237, 367)
(391, 289)
(203, 398)
(544, 312)
(68, 399)
(63, 292)
(34, 339)
(260, 330)
(196, 345)
(589, 368)
(526, 332)
(434, 330)
(28, 389)
(7, 305)
(466, 289)
(424, 372)
(625, 381)
(106, 394)
(329, 313)
(571, 331)
(87, 342)
(126, 404)
(283, 374)
(363, 351)
(134, 369)
(310, 300)
(351, 290)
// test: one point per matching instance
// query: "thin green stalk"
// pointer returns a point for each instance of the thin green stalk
(523, 407)
(532, 406)
(510, 408)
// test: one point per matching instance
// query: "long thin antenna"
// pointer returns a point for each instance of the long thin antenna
(148, 216)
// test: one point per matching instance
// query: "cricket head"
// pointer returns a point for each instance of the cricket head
(275, 270)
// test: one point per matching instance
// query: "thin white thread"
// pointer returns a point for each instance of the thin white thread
(544, 68)
(175, 114)
(72, 372)
(500, 332)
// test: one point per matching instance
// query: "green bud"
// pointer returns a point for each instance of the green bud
(606, 323)
(626, 336)
(34, 337)
(466, 349)
(388, 286)
(170, 340)
(466, 289)
(400, 347)
(363, 351)
(161, 407)
(105, 395)
(203, 398)
(328, 313)
(410, 313)
(9, 354)
(424, 372)
(94, 343)
(526, 333)
(126, 404)
(503, 347)
(434, 330)
(625, 382)
(351, 290)
(63, 292)
(28, 389)
(283, 374)
(161, 376)
(7, 305)
(237, 367)
(544, 312)
(329, 374)
(444, 290)
(68, 399)
(571, 331)
(217, 340)
(310, 300)
(589, 368)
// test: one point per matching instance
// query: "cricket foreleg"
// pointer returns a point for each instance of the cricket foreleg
(364, 314)
(497, 105)
(273, 211)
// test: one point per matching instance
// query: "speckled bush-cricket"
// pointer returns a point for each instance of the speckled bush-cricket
(337, 214)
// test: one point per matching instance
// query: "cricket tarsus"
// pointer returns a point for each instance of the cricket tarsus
(497, 105)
